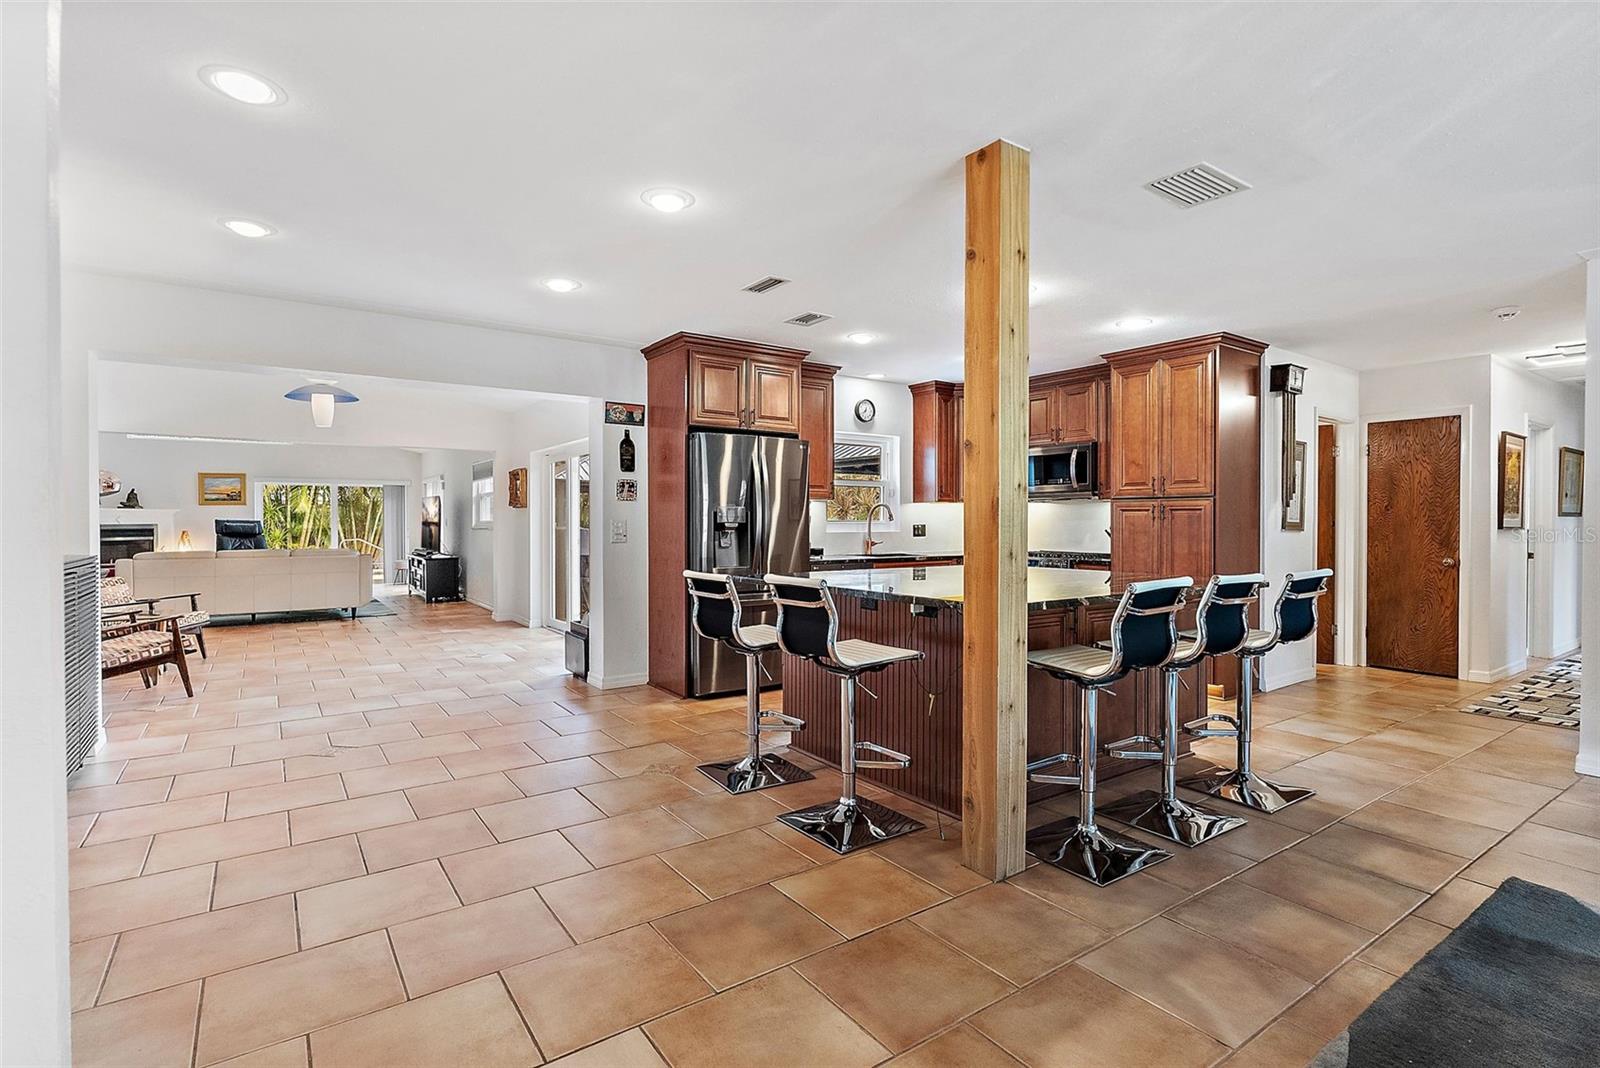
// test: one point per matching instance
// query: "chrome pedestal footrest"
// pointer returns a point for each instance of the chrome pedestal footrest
(892, 760)
(1091, 853)
(754, 773)
(849, 824)
(1171, 818)
(1246, 788)
(777, 721)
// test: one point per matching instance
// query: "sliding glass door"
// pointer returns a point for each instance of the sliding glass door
(325, 515)
(567, 559)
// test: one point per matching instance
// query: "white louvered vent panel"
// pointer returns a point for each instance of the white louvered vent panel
(81, 641)
(1196, 185)
(808, 319)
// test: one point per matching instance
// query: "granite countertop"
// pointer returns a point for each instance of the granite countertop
(1048, 587)
(859, 561)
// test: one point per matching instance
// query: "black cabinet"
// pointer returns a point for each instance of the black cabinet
(435, 576)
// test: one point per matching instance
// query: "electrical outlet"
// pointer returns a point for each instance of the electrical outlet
(919, 530)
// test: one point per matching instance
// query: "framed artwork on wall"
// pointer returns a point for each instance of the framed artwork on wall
(517, 487)
(1294, 506)
(1513, 479)
(221, 489)
(1569, 482)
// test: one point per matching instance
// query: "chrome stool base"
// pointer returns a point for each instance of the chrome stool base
(1247, 788)
(754, 773)
(847, 825)
(1093, 854)
(1171, 818)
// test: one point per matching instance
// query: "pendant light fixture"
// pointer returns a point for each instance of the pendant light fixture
(322, 396)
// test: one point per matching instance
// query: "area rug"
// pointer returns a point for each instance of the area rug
(1550, 697)
(370, 610)
(1517, 984)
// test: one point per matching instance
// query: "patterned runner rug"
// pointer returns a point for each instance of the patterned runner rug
(1549, 697)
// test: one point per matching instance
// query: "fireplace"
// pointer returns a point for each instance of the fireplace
(122, 541)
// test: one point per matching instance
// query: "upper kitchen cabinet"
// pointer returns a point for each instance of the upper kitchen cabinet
(816, 425)
(730, 384)
(1067, 406)
(936, 435)
(1176, 410)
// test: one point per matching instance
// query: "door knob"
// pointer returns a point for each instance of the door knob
(1448, 561)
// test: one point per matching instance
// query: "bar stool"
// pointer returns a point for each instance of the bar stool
(1221, 628)
(1294, 619)
(808, 626)
(1144, 635)
(716, 615)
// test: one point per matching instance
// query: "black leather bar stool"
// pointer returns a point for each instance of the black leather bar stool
(1144, 635)
(1294, 618)
(1221, 628)
(808, 626)
(716, 616)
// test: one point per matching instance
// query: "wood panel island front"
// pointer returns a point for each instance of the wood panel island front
(915, 707)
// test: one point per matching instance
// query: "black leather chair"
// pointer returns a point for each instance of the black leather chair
(240, 534)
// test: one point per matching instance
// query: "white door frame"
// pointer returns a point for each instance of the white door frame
(1464, 551)
(1347, 546)
(545, 597)
(1541, 516)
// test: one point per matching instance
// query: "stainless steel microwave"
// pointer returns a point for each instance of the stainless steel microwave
(1063, 472)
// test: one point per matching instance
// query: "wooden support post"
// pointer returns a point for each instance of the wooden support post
(994, 733)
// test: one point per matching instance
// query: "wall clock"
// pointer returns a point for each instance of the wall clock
(866, 411)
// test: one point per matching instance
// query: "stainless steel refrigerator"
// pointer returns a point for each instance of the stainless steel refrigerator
(749, 515)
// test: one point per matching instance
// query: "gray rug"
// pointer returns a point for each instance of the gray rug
(1549, 697)
(1517, 984)
(370, 610)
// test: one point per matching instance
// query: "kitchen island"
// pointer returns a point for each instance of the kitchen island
(917, 708)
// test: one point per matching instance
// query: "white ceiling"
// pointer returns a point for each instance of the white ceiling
(1414, 166)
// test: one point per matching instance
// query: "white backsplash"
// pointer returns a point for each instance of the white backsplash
(1064, 526)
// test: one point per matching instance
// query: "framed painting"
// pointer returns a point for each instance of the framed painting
(222, 489)
(1513, 480)
(1294, 508)
(1569, 483)
(517, 488)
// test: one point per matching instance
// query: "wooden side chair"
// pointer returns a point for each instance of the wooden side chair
(118, 602)
(143, 644)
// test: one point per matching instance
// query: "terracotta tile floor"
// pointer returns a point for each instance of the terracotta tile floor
(414, 840)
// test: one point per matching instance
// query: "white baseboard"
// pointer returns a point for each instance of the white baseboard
(1505, 671)
(1288, 678)
(486, 606)
(1567, 650)
(617, 682)
(1588, 764)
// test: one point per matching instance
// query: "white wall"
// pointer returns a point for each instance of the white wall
(164, 474)
(34, 994)
(519, 548)
(1333, 393)
(457, 536)
(620, 570)
(1589, 724)
(1519, 399)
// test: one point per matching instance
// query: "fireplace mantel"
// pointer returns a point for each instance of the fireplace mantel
(163, 519)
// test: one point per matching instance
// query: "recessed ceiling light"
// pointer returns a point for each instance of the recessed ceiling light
(243, 86)
(666, 200)
(562, 285)
(248, 227)
(1136, 322)
(877, 375)
(861, 337)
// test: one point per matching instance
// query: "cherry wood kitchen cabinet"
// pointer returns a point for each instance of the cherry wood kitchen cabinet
(736, 385)
(936, 441)
(1067, 407)
(816, 425)
(1163, 427)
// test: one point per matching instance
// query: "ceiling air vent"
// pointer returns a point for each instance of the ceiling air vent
(808, 319)
(1199, 184)
(766, 285)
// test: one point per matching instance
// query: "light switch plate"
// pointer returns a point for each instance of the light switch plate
(919, 530)
(619, 531)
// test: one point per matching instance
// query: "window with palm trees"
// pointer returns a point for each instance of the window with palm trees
(316, 515)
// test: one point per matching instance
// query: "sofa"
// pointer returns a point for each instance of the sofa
(248, 581)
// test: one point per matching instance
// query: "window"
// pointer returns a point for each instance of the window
(483, 494)
(866, 471)
(297, 515)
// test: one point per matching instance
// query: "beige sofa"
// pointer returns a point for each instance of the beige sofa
(248, 581)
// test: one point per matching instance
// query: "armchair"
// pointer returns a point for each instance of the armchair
(143, 644)
(118, 602)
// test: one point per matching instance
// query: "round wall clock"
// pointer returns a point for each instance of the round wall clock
(865, 411)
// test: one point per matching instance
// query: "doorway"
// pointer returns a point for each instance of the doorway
(1327, 537)
(567, 538)
(1539, 544)
(1414, 544)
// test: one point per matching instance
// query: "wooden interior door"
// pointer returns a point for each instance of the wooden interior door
(1188, 427)
(1327, 507)
(774, 396)
(1135, 430)
(1414, 544)
(716, 390)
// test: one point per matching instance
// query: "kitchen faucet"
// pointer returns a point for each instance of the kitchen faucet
(867, 543)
